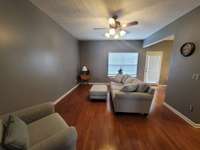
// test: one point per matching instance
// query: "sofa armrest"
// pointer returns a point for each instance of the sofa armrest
(34, 113)
(63, 140)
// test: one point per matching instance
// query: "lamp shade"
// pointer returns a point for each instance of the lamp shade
(84, 68)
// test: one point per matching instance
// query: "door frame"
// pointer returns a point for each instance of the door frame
(153, 53)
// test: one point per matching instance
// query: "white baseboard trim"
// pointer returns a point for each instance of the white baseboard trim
(193, 124)
(99, 83)
(63, 96)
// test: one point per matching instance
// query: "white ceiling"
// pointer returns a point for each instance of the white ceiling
(79, 17)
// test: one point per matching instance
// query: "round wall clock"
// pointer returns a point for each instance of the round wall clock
(187, 49)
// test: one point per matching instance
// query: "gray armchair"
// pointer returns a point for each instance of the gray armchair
(47, 130)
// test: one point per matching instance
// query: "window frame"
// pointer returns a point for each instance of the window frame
(133, 75)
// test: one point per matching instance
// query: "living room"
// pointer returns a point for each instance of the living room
(99, 75)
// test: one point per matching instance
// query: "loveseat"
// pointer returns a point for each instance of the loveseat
(137, 101)
(46, 129)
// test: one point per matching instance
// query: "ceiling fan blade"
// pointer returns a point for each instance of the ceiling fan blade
(133, 23)
(99, 28)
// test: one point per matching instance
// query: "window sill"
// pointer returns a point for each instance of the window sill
(134, 76)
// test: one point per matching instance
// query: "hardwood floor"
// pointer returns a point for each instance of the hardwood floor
(100, 129)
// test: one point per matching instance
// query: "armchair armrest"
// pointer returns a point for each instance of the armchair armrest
(34, 113)
(63, 140)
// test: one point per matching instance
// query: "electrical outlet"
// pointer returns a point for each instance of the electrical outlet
(191, 108)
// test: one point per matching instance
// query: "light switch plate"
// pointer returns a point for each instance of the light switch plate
(196, 76)
(193, 76)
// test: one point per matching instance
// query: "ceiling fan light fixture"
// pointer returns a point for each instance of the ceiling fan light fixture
(112, 31)
(122, 33)
(124, 25)
(116, 29)
(107, 35)
(116, 36)
(111, 21)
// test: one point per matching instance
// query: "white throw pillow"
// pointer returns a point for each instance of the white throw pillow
(129, 88)
(132, 80)
(118, 78)
(124, 78)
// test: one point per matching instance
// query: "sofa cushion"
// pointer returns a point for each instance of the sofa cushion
(116, 86)
(129, 88)
(124, 78)
(1, 131)
(45, 128)
(132, 80)
(143, 87)
(16, 134)
(62, 140)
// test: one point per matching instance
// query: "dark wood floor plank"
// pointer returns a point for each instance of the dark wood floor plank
(101, 129)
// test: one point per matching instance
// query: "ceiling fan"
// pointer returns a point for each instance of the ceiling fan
(116, 28)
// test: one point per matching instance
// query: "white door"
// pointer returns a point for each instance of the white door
(153, 66)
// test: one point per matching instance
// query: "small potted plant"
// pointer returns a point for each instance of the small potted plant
(120, 71)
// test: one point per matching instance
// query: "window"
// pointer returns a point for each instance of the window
(126, 61)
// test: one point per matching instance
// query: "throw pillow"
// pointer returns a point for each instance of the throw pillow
(129, 88)
(118, 78)
(124, 78)
(15, 134)
(1, 131)
(130, 80)
(143, 87)
(133, 81)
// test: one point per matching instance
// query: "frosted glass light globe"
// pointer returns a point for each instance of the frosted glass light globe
(122, 33)
(107, 35)
(111, 21)
(112, 31)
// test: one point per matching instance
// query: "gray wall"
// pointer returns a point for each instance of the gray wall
(38, 59)
(94, 54)
(182, 90)
(166, 48)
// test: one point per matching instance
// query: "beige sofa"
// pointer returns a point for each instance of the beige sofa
(47, 130)
(131, 102)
